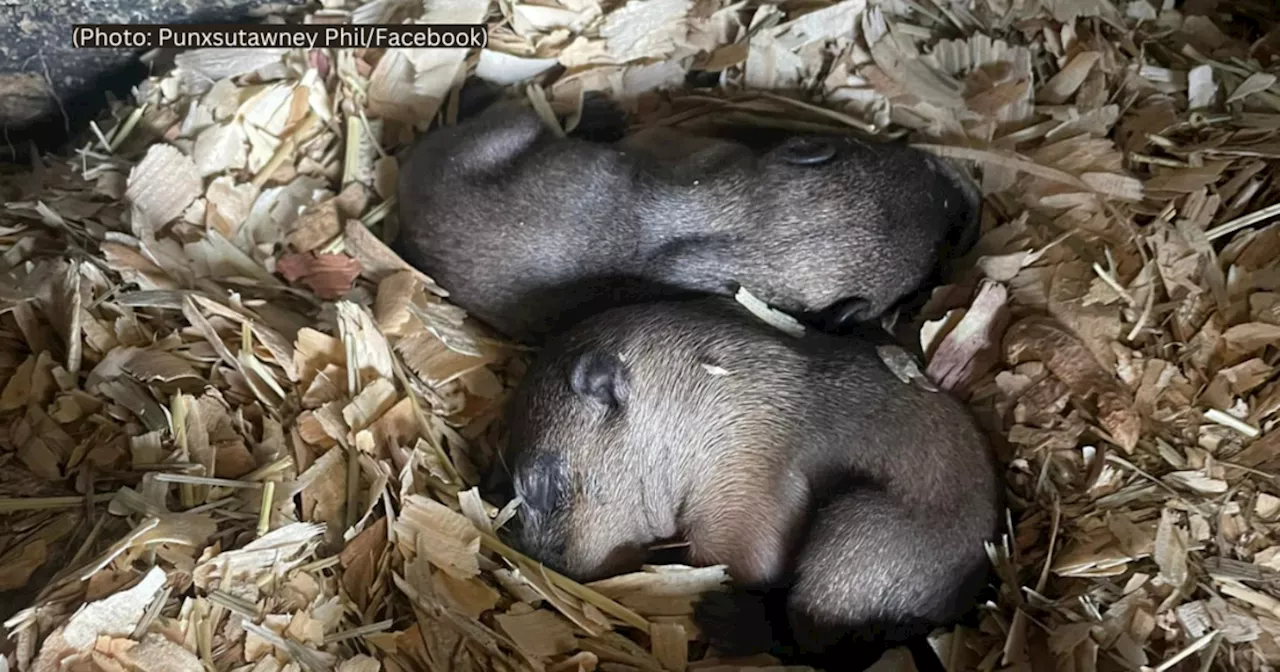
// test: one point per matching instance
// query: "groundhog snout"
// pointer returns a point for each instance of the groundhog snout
(554, 546)
(590, 567)
(540, 542)
(959, 195)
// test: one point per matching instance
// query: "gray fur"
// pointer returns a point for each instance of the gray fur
(808, 463)
(530, 232)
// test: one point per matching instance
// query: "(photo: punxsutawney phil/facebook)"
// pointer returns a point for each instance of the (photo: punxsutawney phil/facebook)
(232, 36)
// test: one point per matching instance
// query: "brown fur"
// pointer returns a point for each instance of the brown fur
(530, 232)
(808, 465)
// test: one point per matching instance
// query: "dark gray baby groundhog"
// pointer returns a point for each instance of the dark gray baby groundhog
(530, 231)
(798, 462)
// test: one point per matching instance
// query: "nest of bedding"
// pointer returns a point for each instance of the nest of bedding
(237, 433)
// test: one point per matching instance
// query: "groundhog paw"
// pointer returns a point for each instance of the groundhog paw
(735, 623)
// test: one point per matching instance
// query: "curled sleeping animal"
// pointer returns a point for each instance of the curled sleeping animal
(855, 503)
(530, 231)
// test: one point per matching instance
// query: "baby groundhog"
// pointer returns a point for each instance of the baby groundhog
(803, 464)
(530, 232)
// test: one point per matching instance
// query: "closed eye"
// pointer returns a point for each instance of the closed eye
(543, 483)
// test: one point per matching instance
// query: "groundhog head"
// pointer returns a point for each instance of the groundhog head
(857, 224)
(575, 462)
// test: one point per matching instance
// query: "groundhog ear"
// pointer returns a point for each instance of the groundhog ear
(499, 135)
(599, 376)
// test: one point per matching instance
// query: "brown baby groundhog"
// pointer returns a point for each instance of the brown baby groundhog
(803, 464)
(530, 231)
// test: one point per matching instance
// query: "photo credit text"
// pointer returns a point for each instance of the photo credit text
(317, 36)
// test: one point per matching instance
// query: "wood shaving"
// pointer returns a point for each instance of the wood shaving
(163, 184)
(114, 615)
(645, 30)
(968, 350)
(1067, 358)
(771, 316)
